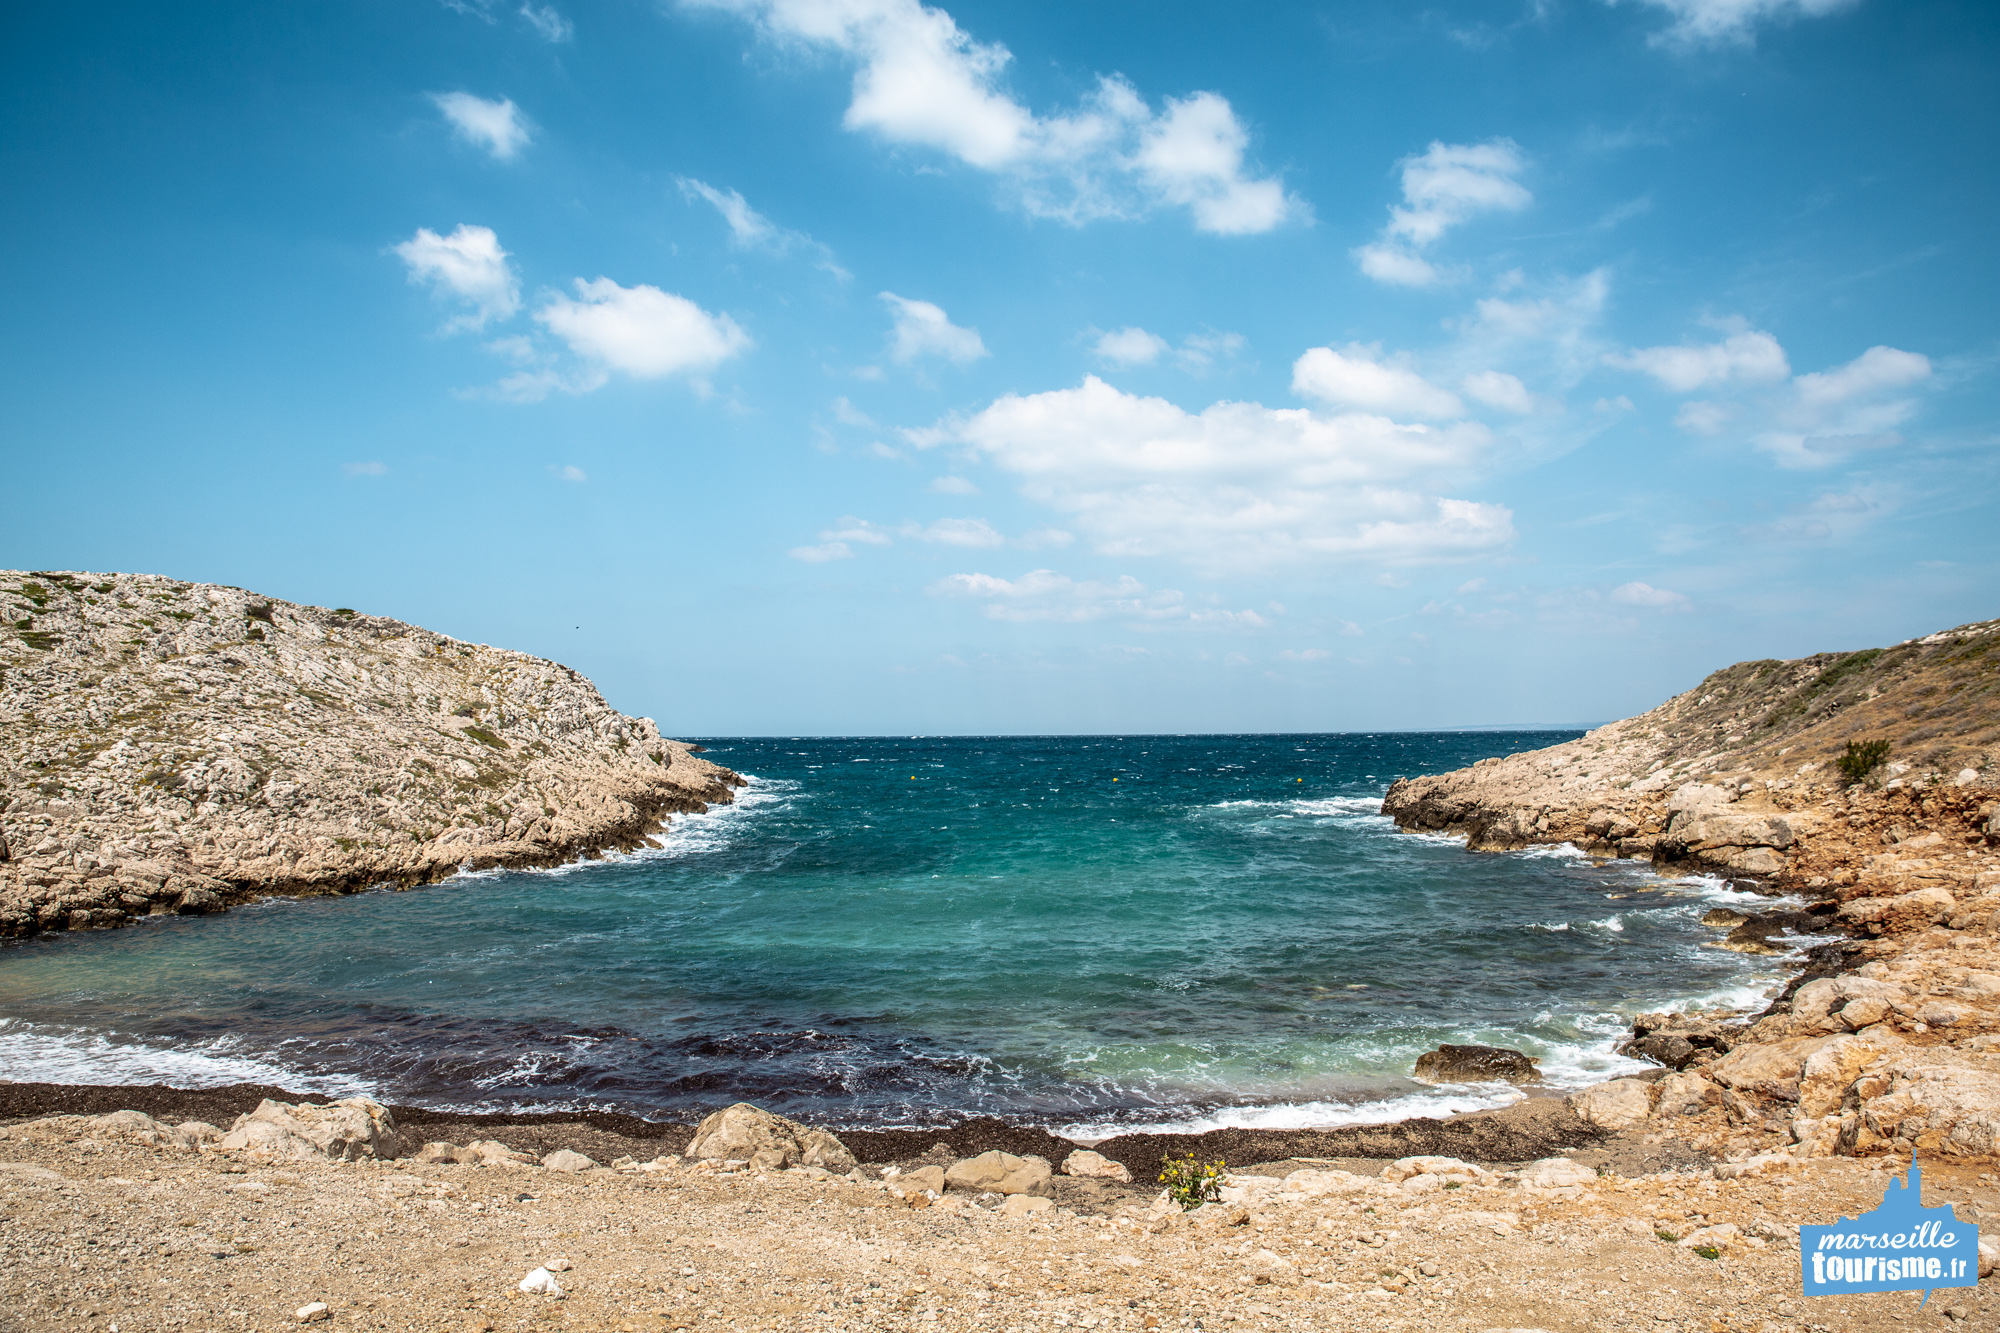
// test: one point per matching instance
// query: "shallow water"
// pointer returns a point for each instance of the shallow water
(1092, 933)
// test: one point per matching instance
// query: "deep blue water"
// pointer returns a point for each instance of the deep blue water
(1077, 931)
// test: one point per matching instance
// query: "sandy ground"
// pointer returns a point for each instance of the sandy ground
(97, 1234)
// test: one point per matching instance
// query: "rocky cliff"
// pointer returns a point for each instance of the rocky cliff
(1737, 771)
(176, 747)
(1889, 1040)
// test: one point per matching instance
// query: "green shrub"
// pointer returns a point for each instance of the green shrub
(1861, 759)
(1190, 1183)
(1708, 1251)
(1668, 1236)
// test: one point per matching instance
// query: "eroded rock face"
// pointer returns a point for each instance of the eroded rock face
(169, 747)
(768, 1142)
(1476, 1064)
(346, 1131)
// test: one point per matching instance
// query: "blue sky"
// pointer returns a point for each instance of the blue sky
(851, 366)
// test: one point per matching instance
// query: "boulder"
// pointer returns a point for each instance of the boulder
(1020, 1205)
(1901, 914)
(1095, 1166)
(490, 1152)
(1447, 1169)
(1617, 1104)
(562, 1159)
(437, 1152)
(923, 1179)
(1684, 1094)
(768, 1142)
(1930, 1108)
(1665, 1048)
(1816, 1002)
(1830, 1071)
(1476, 1064)
(349, 1130)
(1267, 1268)
(1769, 1068)
(1554, 1173)
(130, 1126)
(1001, 1173)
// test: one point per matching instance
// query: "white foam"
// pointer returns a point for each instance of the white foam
(1436, 1102)
(32, 1053)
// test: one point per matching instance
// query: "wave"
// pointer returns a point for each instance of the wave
(41, 1053)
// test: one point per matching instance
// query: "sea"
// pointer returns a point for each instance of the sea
(1095, 934)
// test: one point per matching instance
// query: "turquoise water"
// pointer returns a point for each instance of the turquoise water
(1086, 932)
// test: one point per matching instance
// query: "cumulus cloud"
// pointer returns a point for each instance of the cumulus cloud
(1443, 186)
(641, 331)
(1732, 22)
(1802, 421)
(1358, 379)
(1646, 595)
(1237, 483)
(976, 532)
(922, 329)
(468, 266)
(498, 127)
(1045, 595)
(923, 81)
(1129, 346)
(1496, 388)
(1752, 357)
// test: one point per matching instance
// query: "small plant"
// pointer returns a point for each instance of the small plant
(1668, 1236)
(1453, 1185)
(1861, 759)
(1190, 1183)
(259, 611)
(343, 610)
(1708, 1251)
(485, 737)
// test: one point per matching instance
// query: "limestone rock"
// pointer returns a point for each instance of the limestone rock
(263, 747)
(490, 1152)
(1933, 1106)
(1767, 1068)
(998, 1172)
(1830, 1071)
(922, 1179)
(1617, 1104)
(437, 1151)
(348, 1130)
(1684, 1094)
(1020, 1205)
(1901, 914)
(1095, 1166)
(1446, 1169)
(562, 1159)
(1556, 1173)
(541, 1282)
(768, 1142)
(1476, 1064)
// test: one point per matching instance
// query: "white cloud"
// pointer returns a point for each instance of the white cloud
(1199, 351)
(1646, 595)
(1832, 515)
(923, 81)
(468, 265)
(1357, 379)
(370, 469)
(975, 532)
(1304, 655)
(1044, 595)
(1238, 483)
(1732, 22)
(851, 529)
(1496, 388)
(571, 472)
(1445, 185)
(751, 230)
(1129, 347)
(549, 21)
(922, 329)
(1802, 421)
(1752, 357)
(953, 486)
(819, 555)
(498, 127)
(641, 331)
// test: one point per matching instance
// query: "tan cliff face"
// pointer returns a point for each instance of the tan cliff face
(1736, 773)
(168, 746)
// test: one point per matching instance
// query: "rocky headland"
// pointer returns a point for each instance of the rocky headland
(1888, 1040)
(179, 747)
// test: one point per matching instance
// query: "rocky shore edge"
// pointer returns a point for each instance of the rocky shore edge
(1887, 1039)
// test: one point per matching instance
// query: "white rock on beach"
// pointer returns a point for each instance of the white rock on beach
(1617, 1104)
(541, 1282)
(768, 1142)
(1001, 1173)
(1095, 1166)
(313, 1313)
(348, 1130)
(562, 1159)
